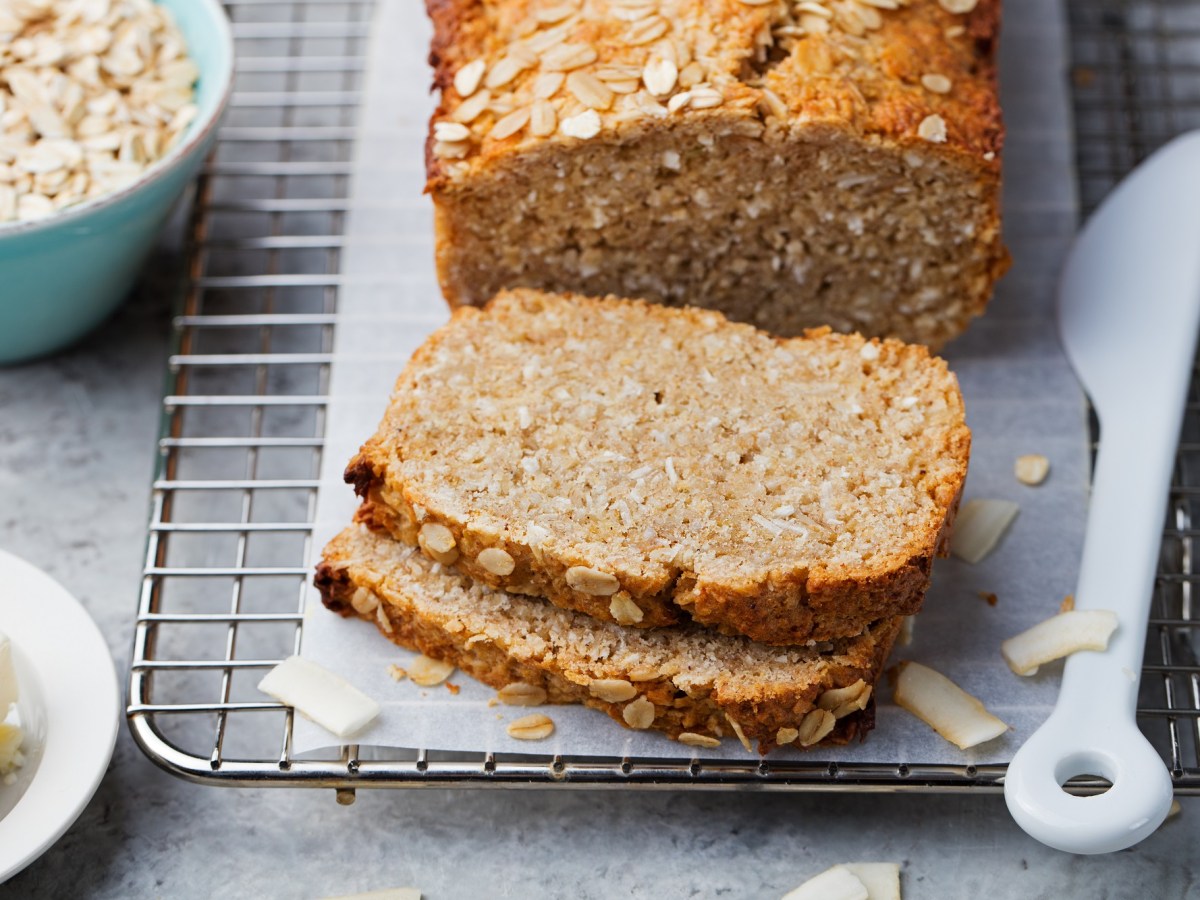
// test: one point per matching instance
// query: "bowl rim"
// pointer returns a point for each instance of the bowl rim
(160, 167)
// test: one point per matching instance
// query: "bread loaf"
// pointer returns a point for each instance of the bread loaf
(682, 681)
(648, 465)
(830, 162)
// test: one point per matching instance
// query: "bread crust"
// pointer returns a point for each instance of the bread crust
(788, 603)
(362, 576)
(852, 94)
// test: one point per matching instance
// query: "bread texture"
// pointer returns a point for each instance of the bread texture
(648, 465)
(682, 681)
(833, 162)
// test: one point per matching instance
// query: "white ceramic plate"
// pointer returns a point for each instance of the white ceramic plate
(69, 700)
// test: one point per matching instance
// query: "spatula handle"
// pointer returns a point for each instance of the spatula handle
(1129, 306)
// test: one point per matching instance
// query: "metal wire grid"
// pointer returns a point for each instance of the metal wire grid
(1136, 77)
(234, 497)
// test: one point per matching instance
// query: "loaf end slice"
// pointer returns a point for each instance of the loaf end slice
(675, 680)
(798, 170)
(645, 465)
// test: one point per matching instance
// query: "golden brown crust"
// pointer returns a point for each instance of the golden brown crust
(904, 99)
(355, 569)
(790, 602)
(868, 83)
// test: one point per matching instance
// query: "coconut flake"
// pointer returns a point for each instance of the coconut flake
(1059, 636)
(945, 707)
(979, 527)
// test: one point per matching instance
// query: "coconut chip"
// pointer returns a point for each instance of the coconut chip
(1059, 636)
(945, 707)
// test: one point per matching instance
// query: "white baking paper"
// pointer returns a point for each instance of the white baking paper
(1021, 398)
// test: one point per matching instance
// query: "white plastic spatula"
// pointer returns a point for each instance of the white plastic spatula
(1129, 308)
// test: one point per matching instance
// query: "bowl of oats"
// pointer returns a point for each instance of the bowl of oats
(108, 109)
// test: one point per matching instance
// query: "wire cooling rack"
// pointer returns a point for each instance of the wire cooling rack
(243, 423)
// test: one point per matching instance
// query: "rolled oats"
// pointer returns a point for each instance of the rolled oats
(92, 92)
(536, 727)
(520, 694)
(639, 714)
(698, 740)
(612, 690)
(497, 561)
(429, 672)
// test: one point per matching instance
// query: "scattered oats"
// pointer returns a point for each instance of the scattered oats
(756, 2)
(456, 150)
(786, 735)
(659, 76)
(933, 129)
(364, 601)
(698, 740)
(510, 124)
(428, 672)
(816, 9)
(955, 31)
(989, 156)
(1032, 469)
(536, 727)
(705, 98)
(450, 132)
(741, 735)
(679, 101)
(547, 84)
(815, 727)
(468, 78)
(592, 581)
(639, 714)
(585, 125)
(543, 121)
(843, 701)
(590, 90)
(774, 105)
(504, 71)
(647, 30)
(550, 15)
(612, 690)
(565, 57)
(958, 7)
(881, 4)
(497, 561)
(520, 694)
(624, 611)
(397, 673)
(438, 543)
(471, 109)
(939, 84)
(814, 24)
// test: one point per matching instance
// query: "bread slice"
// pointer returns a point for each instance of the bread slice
(791, 165)
(644, 465)
(681, 680)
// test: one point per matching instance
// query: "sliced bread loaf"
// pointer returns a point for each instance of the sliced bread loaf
(683, 680)
(645, 464)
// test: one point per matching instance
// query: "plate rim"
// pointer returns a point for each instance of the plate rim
(78, 683)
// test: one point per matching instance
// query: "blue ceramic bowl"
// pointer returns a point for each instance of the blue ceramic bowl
(62, 276)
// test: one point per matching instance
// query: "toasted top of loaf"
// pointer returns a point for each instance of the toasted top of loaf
(501, 638)
(515, 73)
(622, 450)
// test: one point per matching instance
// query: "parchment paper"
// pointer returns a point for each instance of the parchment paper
(1021, 398)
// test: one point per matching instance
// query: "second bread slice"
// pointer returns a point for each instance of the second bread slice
(644, 464)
